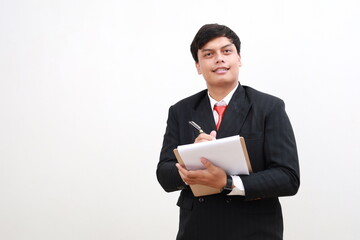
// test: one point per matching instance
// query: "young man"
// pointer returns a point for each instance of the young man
(248, 208)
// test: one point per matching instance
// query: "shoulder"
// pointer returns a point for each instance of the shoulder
(263, 102)
(191, 101)
(260, 98)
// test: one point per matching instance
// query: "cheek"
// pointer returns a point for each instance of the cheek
(199, 68)
(202, 69)
(235, 70)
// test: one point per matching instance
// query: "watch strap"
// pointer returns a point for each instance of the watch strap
(228, 187)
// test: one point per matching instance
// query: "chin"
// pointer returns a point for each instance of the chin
(225, 82)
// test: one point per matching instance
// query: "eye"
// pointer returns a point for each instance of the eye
(208, 54)
(227, 51)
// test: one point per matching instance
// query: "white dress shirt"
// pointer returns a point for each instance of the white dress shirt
(239, 186)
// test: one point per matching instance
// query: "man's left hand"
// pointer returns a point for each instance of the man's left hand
(211, 176)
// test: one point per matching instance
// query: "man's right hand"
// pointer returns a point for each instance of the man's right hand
(203, 137)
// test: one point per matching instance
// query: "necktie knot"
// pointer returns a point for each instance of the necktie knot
(220, 111)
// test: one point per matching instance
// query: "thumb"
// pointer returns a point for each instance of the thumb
(207, 164)
(213, 134)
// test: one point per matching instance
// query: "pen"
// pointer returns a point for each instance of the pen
(192, 123)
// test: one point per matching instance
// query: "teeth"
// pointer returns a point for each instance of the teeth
(221, 69)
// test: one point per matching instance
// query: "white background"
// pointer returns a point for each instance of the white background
(85, 87)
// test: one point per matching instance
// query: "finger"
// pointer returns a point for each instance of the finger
(185, 174)
(213, 134)
(182, 174)
(201, 140)
(181, 169)
(203, 137)
(187, 180)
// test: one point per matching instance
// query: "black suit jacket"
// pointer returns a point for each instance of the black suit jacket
(261, 119)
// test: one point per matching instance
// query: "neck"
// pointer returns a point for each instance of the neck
(219, 93)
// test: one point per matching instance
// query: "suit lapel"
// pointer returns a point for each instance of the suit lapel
(235, 114)
(202, 115)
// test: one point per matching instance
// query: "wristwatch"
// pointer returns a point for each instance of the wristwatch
(228, 187)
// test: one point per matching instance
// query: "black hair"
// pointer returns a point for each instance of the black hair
(209, 32)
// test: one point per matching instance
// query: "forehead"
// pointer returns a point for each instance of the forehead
(217, 43)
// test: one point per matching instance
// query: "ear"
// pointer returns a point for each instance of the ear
(240, 63)
(197, 65)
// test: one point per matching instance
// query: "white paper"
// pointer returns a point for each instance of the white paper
(226, 153)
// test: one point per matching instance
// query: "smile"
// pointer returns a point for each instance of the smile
(221, 70)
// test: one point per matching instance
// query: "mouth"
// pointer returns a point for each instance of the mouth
(221, 70)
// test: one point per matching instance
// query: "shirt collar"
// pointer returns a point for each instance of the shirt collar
(224, 101)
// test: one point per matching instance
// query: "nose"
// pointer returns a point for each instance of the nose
(219, 58)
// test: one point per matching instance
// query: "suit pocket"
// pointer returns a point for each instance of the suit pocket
(185, 203)
(263, 206)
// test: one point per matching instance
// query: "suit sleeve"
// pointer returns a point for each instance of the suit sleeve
(281, 176)
(167, 173)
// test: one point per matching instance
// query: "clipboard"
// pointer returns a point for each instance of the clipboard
(201, 190)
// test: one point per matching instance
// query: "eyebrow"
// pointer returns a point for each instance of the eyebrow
(209, 49)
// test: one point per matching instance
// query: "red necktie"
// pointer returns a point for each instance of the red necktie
(220, 110)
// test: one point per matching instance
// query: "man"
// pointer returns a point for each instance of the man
(248, 207)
